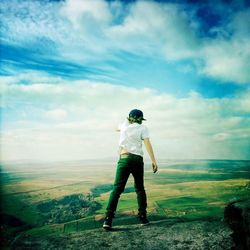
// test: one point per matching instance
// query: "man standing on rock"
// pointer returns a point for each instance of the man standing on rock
(132, 133)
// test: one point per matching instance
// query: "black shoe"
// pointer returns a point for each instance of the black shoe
(143, 220)
(107, 224)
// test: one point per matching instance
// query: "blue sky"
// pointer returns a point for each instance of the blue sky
(66, 63)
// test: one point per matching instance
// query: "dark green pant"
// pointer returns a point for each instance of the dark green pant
(128, 164)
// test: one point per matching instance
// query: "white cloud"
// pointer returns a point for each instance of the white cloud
(79, 12)
(221, 136)
(25, 21)
(166, 29)
(95, 30)
(190, 127)
(56, 114)
(227, 60)
(83, 114)
(155, 29)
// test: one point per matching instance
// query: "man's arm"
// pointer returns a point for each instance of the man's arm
(151, 154)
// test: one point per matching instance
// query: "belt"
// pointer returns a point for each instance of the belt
(126, 155)
(123, 156)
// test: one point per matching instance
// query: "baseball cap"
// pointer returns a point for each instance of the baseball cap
(136, 113)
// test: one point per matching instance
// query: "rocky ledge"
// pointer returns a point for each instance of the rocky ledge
(237, 216)
(167, 234)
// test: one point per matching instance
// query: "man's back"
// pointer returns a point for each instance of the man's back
(131, 136)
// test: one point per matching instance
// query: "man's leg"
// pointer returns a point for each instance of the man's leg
(122, 174)
(138, 174)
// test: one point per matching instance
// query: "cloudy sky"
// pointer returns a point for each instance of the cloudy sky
(72, 70)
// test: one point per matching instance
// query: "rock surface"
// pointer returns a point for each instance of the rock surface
(237, 215)
(167, 234)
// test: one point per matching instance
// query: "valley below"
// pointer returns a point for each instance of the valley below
(62, 205)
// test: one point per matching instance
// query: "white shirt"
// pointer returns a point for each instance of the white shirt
(131, 137)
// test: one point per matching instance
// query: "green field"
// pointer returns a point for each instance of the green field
(62, 198)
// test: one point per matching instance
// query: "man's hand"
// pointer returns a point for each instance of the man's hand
(155, 167)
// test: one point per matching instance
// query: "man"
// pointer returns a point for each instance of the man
(132, 133)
